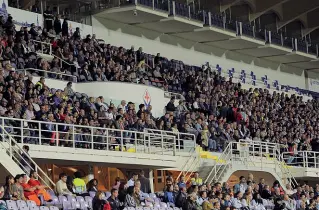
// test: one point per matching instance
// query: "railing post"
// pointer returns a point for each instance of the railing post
(254, 33)
(3, 128)
(107, 140)
(135, 2)
(40, 132)
(173, 8)
(122, 145)
(50, 49)
(174, 147)
(21, 127)
(303, 159)
(153, 4)
(162, 144)
(209, 18)
(189, 12)
(295, 43)
(269, 37)
(57, 135)
(92, 137)
(73, 136)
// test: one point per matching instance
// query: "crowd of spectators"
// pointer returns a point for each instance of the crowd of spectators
(135, 193)
(216, 111)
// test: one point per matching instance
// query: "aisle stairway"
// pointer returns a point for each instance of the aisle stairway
(16, 161)
(249, 156)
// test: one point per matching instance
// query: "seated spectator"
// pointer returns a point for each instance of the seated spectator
(92, 185)
(17, 189)
(130, 198)
(40, 189)
(7, 190)
(61, 187)
(98, 203)
(114, 201)
(117, 183)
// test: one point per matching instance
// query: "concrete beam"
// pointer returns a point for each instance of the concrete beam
(226, 4)
(263, 7)
(312, 22)
(295, 9)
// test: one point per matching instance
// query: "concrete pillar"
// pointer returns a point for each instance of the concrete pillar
(151, 178)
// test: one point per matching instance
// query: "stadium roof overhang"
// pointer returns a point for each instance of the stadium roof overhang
(195, 31)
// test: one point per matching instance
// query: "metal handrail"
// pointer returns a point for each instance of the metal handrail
(44, 43)
(63, 61)
(21, 151)
(249, 153)
(188, 166)
(178, 135)
(92, 137)
(47, 72)
(308, 159)
(221, 157)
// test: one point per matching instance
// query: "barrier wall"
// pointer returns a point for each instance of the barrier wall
(116, 92)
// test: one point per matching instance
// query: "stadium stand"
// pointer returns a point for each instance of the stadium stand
(215, 110)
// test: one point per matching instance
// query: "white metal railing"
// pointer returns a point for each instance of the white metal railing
(184, 141)
(28, 71)
(306, 159)
(257, 154)
(43, 46)
(78, 136)
(22, 158)
(177, 96)
(63, 61)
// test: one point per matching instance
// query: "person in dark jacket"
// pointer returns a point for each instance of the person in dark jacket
(181, 197)
(98, 202)
(170, 107)
(145, 183)
(57, 25)
(92, 185)
(190, 203)
(7, 188)
(113, 200)
(65, 28)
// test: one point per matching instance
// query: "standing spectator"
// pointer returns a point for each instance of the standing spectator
(79, 184)
(132, 180)
(48, 17)
(145, 183)
(57, 25)
(196, 180)
(65, 28)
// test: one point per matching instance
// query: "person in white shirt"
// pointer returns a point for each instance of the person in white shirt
(122, 105)
(29, 113)
(61, 187)
(132, 180)
(109, 114)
